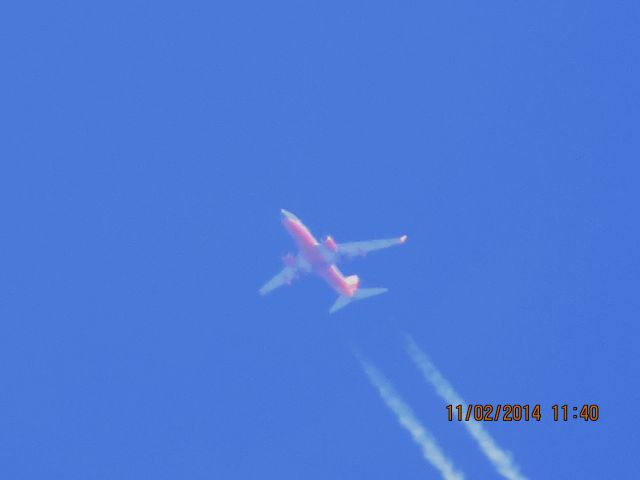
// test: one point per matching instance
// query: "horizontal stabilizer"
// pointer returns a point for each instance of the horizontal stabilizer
(368, 292)
(360, 294)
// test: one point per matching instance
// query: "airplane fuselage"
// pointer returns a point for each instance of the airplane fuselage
(317, 256)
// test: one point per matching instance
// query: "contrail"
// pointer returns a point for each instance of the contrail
(501, 459)
(430, 449)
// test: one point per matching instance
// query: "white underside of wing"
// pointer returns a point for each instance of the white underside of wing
(355, 249)
(285, 276)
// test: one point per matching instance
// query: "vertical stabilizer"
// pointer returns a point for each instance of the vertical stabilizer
(353, 282)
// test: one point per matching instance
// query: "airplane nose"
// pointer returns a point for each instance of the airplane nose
(287, 214)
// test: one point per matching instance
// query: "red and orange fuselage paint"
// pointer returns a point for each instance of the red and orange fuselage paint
(315, 255)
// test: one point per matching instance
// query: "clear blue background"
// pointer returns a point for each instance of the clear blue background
(146, 150)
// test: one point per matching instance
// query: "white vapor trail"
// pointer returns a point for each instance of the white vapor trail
(430, 449)
(501, 459)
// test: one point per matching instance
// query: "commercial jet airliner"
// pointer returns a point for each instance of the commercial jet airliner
(321, 259)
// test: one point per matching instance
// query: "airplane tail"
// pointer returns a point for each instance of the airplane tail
(360, 294)
(353, 282)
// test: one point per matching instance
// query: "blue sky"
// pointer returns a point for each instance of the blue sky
(147, 150)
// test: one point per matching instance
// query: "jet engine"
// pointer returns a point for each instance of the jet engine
(330, 243)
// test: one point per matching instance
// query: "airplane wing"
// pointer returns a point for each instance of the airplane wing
(356, 249)
(285, 276)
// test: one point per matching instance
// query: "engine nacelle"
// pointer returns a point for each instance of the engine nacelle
(330, 243)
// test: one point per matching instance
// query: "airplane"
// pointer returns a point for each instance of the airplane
(321, 259)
